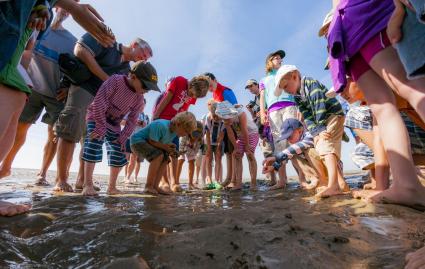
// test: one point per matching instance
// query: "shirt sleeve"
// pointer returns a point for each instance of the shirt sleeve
(299, 147)
(130, 124)
(318, 101)
(101, 103)
(229, 96)
(91, 44)
(156, 131)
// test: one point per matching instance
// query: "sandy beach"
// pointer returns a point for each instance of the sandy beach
(204, 229)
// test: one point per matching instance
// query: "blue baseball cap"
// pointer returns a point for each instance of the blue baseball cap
(288, 127)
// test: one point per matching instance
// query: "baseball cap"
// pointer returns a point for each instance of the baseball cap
(326, 22)
(288, 127)
(147, 74)
(281, 53)
(250, 82)
(281, 72)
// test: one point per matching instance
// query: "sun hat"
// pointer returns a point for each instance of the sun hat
(281, 72)
(226, 110)
(326, 22)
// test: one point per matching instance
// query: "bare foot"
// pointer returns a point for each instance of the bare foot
(328, 192)
(9, 209)
(364, 194)
(279, 185)
(225, 183)
(253, 188)
(369, 186)
(237, 187)
(150, 190)
(176, 188)
(164, 191)
(304, 185)
(5, 173)
(416, 260)
(344, 187)
(63, 187)
(113, 191)
(41, 181)
(89, 191)
(413, 197)
(81, 187)
(193, 187)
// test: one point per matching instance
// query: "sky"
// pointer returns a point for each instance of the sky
(230, 38)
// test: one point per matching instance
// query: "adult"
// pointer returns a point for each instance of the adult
(274, 110)
(222, 93)
(47, 93)
(254, 108)
(14, 35)
(102, 62)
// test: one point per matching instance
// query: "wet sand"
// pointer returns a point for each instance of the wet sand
(204, 229)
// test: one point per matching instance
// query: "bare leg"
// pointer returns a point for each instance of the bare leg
(406, 188)
(88, 189)
(237, 185)
(331, 162)
(229, 172)
(21, 134)
(416, 260)
(136, 175)
(282, 179)
(209, 167)
(130, 168)
(113, 176)
(203, 169)
(175, 184)
(154, 175)
(160, 174)
(49, 154)
(252, 170)
(65, 152)
(191, 172)
(79, 183)
(218, 172)
(180, 163)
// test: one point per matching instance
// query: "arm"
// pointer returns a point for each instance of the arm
(86, 16)
(395, 23)
(27, 55)
(162, 104)
(315, 116)
(159, 145)
(300, 146)
(88, 59)
(130, 124)
(263, 113)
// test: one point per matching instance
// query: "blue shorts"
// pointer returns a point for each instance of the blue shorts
(92, 151)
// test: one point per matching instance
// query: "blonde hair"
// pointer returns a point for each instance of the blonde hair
(200, 85)
(211, 103)
(185, 120)
(269, 65)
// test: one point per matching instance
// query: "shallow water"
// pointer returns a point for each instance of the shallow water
(204, 229)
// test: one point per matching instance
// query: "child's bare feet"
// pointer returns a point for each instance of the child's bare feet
(279, 185)
(400, 195)
(253, 187)
(9, 209)
(193, 187)
(416, 260)
(344, 187)
(89, 191)
(226, 183)
(150, 190)
(62, 187)
(369, 186)
(113, 191)
(164, 191)
(41, 181)
(328, 192)
(304, 185)
(176, 188)
(237, 187)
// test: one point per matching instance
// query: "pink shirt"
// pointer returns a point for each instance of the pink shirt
(114, 100)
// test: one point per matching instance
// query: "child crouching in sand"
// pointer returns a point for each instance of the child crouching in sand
(117, 97)
(324, 118)
(155, 144)
(243, 134)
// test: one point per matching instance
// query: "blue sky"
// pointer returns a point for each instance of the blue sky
(229, 38)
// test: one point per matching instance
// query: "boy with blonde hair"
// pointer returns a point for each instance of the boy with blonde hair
(324, 118)
(155, 144)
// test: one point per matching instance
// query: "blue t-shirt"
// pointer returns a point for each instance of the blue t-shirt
(158, 130)
(229, 95)
(108, 58)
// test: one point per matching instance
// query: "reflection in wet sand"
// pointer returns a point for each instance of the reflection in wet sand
(204, 229)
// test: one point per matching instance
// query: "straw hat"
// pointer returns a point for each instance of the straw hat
(326, 22)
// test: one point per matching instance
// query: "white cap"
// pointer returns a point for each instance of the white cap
(326, 22)
(281, 72)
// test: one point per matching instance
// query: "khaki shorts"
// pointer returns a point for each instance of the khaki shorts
(71, 123)
(276, 121)
(148, 152)
(311, 165)
(335, 127)
(35, 105)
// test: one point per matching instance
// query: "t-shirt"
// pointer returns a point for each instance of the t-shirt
(158, 130)
(267, 84)
(236, 126)
(215, 128)
(44, 68)
(109, 59)
(223, 93)
(180, 101)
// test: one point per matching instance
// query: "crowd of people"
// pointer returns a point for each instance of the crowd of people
(91, 94)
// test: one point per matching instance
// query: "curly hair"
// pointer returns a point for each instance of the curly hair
(186, 120)
(200, 85)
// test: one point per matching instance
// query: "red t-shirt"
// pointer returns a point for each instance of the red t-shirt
(180, 101)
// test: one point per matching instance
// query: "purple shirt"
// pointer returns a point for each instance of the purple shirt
(280, 105)
(354, 23)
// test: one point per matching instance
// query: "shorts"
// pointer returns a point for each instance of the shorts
(71, 123)
(416, 135)
(266, 148)
(127, 146)
(146, 151)
(359, 117)
(359, 63)
(252, 140)
(228, 146)
(93, 152)
(215, 147)
(335, 127)
(34, 107)
(277, 118)
(363, 157)
(10, 75)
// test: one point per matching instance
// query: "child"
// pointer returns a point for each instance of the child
(189, 147)
(118, 96)
(179, 95)
(134, 163)
(301, 148)
(324, 118)
(154, 143)
(243, 134)
(214, 134)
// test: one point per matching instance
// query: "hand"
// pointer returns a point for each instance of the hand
(324, 135)
(264, 119)
(38, 19)
(208, 153)
(268, 169)
(95, 136)
(248, 149)
(86, 16)
(170, 148)
(61, 94)
(269, 161)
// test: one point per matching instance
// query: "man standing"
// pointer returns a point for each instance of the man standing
(102, 62)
